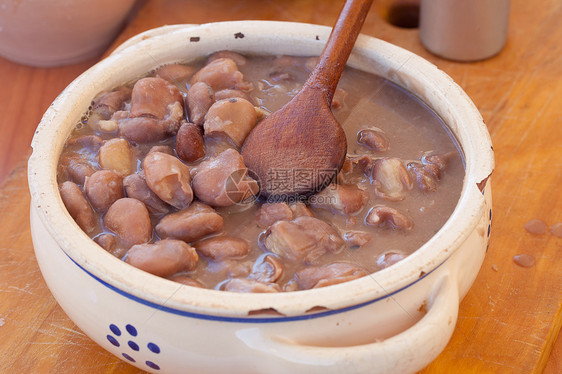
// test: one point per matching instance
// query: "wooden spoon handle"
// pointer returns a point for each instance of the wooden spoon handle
(327, 72)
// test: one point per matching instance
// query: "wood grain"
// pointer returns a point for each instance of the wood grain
(510, 318)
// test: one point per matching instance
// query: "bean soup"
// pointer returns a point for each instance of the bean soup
(153, 174)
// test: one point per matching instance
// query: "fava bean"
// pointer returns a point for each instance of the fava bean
(190, 224)
(304, 238)
(381, 215)
(103, 188)
(116, 155)
(223, 180)
(270, 213)
(168, 178)
(236, 57)
(136, 188)
(220, 74)
(268, 269)
(128, 218)
(327, 275)
(221, 247)
(345, 199)
(111, 243)
(391, 179)
(199, 99)
(174, 73)
(233, 118)
(78, 207)
(190, 145)
(163, 258)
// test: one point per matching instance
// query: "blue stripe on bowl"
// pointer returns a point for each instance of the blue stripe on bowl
(210, 317)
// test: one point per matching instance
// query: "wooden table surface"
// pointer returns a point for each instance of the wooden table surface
(510, 319)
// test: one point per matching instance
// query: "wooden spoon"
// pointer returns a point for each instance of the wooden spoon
(297, 150)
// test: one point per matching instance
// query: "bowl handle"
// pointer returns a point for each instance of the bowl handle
(408, 351)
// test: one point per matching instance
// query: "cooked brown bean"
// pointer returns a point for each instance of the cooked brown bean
(270, 213)
(389, 258)
(223, 180)
(439, 160)
(220, 74)
(129, 219)
(163, 258)
(112, 101)
(199, 99)
(304, 238)
(345, 199)
(300, 209)
(391, 179)
(233, 118)
(136, 188)
(364, 164)
(232, 94)
(90, 142)
(103, 188)
(356, 238)
(190, 224)
(156, 111)
(268, 269)
(174, 73)
(78, 206)
(146, 129)
(168, 178)
(187, 280)
(354, 169)
(222, 247)
(152, 96)
(249, 285)
(327, 275)
(76, 168)
(190, 144)
(109, 125)
(232, 268)
(106, 104)
(116, 155)
(427, 175)
(373, 138)
(110, 243)
(236, 57)
(381, 215)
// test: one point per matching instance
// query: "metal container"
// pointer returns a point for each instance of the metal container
(464, 30)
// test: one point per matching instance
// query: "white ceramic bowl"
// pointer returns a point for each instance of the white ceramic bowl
(374, 324)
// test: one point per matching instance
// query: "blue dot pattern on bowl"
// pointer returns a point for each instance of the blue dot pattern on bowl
(129, 356)
(131, 330)
(153, 347)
